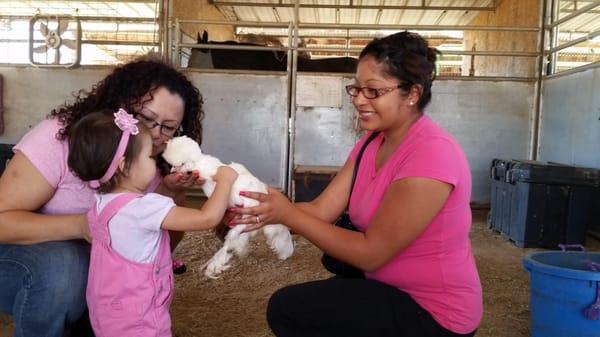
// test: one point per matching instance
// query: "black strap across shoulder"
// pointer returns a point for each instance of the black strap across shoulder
(357, 162)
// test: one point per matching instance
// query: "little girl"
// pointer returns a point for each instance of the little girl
(130, 284)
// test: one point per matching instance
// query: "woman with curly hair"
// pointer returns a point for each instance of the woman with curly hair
(44, 254)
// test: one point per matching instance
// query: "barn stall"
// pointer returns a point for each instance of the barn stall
(516, 80)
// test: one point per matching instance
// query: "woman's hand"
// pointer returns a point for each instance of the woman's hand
(274, 208)
(178, 181)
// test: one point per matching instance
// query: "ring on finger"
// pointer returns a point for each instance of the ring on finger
(258, 219)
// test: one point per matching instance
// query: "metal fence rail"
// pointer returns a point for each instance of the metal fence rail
(552, 24)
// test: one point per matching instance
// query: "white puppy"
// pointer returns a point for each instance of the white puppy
(184, 154)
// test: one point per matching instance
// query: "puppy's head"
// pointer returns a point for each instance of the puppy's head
(181, 153)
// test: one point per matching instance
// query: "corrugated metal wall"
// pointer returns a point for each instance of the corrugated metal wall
(570, 125)
(246, 118)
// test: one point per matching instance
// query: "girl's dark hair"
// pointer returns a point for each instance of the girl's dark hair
(408, 58)
(93, 142)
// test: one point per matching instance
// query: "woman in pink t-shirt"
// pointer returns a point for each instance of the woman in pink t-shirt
(410, 204)
(43, 259)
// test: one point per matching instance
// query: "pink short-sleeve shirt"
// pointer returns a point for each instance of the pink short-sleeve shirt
(438, 269)
(49, 156)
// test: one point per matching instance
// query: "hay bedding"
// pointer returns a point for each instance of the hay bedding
(235, 304)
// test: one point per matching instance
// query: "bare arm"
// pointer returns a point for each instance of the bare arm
(23, 190)
(333, 200)
(406, 210)
(211, 213)
(173, 185)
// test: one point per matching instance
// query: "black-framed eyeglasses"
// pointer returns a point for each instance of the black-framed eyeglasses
(370, 93)
(151, 123)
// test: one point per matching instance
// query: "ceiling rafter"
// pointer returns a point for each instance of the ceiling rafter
(352, 6)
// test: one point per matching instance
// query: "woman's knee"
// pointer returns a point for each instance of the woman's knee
(277, 305)
(286, 305)
(281, 299)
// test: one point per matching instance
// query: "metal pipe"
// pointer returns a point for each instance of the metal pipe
(119, 43)
(528, 79)
(574, 70)
(229, 47)
(353, 6)
(445, 52)
(536, 118)
(88, 18)
(170, 32)
(288, 104)
(292, 93)
(177, 46)
(574, 42)
(419, 27)
(163, 27)
(555, 8)
(486, 78)
(351, 36)
(572, 10)
(237, 23)
(363, 26)
(491, 53)
(576, 13)
(236, 71)
(94, 42)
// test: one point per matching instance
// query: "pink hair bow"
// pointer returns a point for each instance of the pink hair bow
(126, 122)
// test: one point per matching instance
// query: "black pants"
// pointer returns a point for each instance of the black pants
(349, 307)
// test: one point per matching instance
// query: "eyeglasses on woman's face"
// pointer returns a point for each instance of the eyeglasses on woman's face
(369, 93)
(151, 123)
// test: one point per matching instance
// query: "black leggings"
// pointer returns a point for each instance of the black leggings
(349, 307)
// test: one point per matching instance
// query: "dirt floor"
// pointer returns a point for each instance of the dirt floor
(234, 305)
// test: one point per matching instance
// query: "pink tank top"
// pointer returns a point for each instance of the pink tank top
(127, 298)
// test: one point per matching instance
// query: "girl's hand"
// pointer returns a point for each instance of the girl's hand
(274, 208)
(178, 181)
(225, 174)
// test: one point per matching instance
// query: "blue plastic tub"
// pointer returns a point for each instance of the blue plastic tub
(562, 287)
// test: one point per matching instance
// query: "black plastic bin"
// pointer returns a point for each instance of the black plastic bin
(5, 154)
(500, 195)
(539, 204)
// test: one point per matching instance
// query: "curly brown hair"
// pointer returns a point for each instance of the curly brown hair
(130, 86)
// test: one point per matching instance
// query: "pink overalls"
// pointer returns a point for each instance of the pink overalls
(127, 298)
